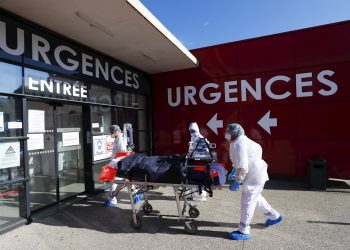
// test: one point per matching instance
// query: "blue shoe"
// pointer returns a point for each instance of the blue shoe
(109, 204)
(237, 235)
(273, 222)
(138, 197)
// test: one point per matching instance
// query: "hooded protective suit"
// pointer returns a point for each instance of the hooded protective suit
(195, 136)
(246, 156)
(119, 145)
(194, 131)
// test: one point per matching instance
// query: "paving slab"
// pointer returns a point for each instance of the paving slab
(312, 220)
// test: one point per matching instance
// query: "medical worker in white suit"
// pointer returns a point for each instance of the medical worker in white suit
(119, 145)
(195, 136)
(250, 172)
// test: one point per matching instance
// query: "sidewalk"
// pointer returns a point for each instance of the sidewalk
(312, 220)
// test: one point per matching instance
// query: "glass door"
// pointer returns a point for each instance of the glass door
(41, 155)
(55, 152)
(70, 159)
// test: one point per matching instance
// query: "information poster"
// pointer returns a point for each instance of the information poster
(9, 154)
(36, 120)
(70, 139)
(99, 147)
(35, 141)
(109, 145)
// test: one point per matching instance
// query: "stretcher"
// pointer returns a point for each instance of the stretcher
(198, 175)
(181, 192)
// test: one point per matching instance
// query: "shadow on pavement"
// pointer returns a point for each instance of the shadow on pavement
(330, 222)
(89, 213)
(333, 185)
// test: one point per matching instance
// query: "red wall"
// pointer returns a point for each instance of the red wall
(311, 122)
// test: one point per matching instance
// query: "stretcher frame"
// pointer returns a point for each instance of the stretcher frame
(181, 191)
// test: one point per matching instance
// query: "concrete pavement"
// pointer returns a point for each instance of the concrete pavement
(312, 220)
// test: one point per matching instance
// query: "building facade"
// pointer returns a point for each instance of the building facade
(290, 92)
(58, 99)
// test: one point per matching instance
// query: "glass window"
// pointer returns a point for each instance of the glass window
(102, 141)
(124, 115)
(11, 203)
(10, 116)
(130, 100)
(101, 119)
(10, 78)
(11, 162)
(45, 84)
(100, 94)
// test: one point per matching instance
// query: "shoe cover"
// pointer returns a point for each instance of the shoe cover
(138, 197)
(273, 222)
(110, 204)
(237, 235)
(199, 197)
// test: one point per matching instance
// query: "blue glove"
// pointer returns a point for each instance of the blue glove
(235, 186)
(232, 175)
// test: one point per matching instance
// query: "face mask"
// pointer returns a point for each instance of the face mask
(194, 134)
(228, 136)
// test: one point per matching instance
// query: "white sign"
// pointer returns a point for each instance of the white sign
(214, 123)
(232, 91)
(9, 154)
(70, 139)
(95, 125)
(36, 120)
(266, 122)
(102, 147)
(1, 121)
(99, 147)
(109, 145)
(35, 141)
(14, 125)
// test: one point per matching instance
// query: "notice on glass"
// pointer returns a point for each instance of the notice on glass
(35, 141)
(36, 120)
(70, 139)
(9, 154)
(109, 145)
(1, 121)
(14, 125)
(99, 147)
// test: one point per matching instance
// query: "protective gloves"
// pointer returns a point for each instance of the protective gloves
(235, 186)
(231, 176)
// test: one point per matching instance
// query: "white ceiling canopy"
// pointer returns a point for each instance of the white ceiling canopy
(122, 29)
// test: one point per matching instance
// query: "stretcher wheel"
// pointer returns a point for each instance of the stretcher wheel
(193, 212)
(138, 223)
(147, 209)
(190, 227)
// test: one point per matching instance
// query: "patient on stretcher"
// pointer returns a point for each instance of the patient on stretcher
(169, 169)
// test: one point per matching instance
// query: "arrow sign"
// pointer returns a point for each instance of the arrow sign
(214, 124)
(266, 122)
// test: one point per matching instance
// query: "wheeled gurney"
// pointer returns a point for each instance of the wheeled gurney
(183, 173)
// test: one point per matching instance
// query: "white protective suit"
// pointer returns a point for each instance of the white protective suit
(195, 135)
(246, 156)
(119, 145)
